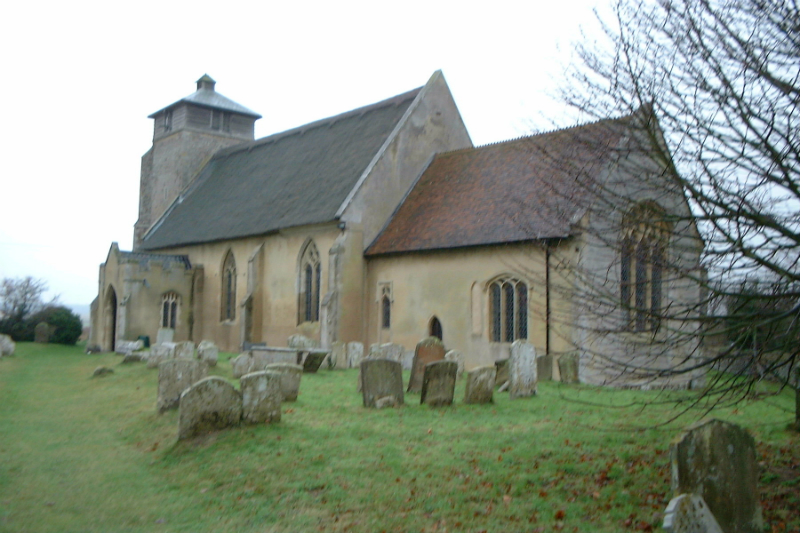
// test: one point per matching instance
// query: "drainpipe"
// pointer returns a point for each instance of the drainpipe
(547, 296)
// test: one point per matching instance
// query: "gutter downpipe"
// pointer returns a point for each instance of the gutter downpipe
(547, 296)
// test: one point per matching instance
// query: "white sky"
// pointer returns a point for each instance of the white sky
(81, 77)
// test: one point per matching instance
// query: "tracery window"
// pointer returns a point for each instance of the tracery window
(643, 251)
(229, 288)
(310, 273)
(508, 310)
(169, 310)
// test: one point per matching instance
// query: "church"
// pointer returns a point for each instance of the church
(385, 224)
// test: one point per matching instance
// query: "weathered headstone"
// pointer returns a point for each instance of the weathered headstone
(717, 461)
(184, 350)
(480, 385)
(501, 377)
(313, 360)
(134, 357)
(355, 352)
(159, 353)
(382, 383)
(522, 369)
(427, 351)
(301, 342)
(439, 383)
(259, 358)
(165, 335)
(688, 513)
(261, 397)
(126, 347)
(242, 364)
(7, 345)
(208, 352)
(568, 368)
(41, 333)
(290, 379)
(458, 358)
(544, 367)
(210, 404)
(174, 377)
(102, 371)
(338, 358)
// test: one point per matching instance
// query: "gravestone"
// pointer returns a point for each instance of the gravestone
(261, 397)
(382, 383)
(427, 351)
(522, 370)
(439, 383)
(209, 405)
(7, 345)
(184, 350)
(102, 371)
(338, 358)
(208, 352)
(480, 385)
(41, 333)
(243, 364)
(568, 368)
(290, 379)
(717, 461)
(501, 377)
(301, 342)
(688, 513)
(355, 352)
(544, 367)
(159, 353)
(174, 377)
(458, 358)
(314, 360)
(126, 347)
(135, 357)
(164, 335)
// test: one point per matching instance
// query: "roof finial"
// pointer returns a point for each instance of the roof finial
(206, 82)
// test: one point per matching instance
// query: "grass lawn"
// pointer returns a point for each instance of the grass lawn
(80, 455)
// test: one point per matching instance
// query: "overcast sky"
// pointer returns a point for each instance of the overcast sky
(81, 77)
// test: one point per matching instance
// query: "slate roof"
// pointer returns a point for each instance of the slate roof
(165, 259)
(520, 190)
(293, 178)
(208, 97)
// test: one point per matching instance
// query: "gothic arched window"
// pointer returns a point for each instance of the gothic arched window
(508, 310)
(386, 305)
(169, 310)
(643, 252)
(228, 288)
(310, 274)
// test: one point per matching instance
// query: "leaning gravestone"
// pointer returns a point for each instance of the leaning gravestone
(126, 347)
(41, 333)
(427, 351)
(261, 397)
(501, 377)
(243, 364)
(314, 360)
(439, 383)
(174, 377)
(382, 383)
(568, 368)
(522, 370)
(208, 352)
(717, 461)
(159, 353)
(208, 405)
(290, 379)
(355, 352)
(480, 385)
(688, 513)
(7, 345)
(458, 358)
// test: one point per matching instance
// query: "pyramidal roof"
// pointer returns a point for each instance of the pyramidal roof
(298, 177)
(207, 96)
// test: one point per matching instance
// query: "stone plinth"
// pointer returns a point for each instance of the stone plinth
(174, 377)
(382, 383)
(480, 385)
(209, 405)
(522, 370)
(427, 351)
(261, 397)
(290, 379)
(439, 383)
(717, 461)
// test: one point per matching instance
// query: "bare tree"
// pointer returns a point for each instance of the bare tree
(711, 88)
(21, 298)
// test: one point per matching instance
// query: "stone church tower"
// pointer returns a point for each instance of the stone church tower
(185, 136)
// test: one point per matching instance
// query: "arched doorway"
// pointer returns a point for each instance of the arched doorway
(110, 315)
(435, 328)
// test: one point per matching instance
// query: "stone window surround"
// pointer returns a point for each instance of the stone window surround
(309, 280)
(228, 288)
(508, 296)
(170, 305)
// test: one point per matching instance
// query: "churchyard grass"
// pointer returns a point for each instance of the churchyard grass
(81, 455)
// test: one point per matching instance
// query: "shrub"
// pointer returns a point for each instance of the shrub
(66, 324)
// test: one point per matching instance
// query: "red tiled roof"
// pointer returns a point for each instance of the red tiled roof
(520, 190)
